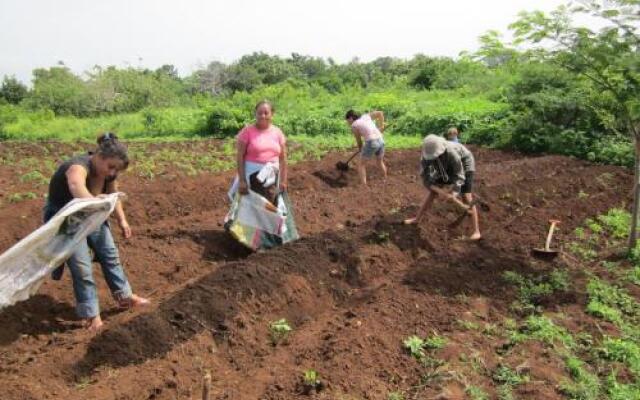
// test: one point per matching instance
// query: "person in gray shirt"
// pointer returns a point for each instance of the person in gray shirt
(444, 163)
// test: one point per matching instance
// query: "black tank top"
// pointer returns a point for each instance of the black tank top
(59, 194)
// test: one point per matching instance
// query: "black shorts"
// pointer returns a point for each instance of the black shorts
(467, 187)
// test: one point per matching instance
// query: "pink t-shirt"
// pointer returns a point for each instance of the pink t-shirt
(365, 127)
(262, 146)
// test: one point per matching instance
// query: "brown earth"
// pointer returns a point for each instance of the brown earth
(353, 288)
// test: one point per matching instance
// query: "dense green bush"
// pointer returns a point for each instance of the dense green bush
(531, 106)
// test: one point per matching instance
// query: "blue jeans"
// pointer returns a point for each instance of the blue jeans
(80, 265)
(371, 147)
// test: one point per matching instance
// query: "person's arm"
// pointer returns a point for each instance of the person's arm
(357, 136)
(77, 181)
(378, 116)
(242, 180)
(112, 187)
(284, 171)
(458, 171)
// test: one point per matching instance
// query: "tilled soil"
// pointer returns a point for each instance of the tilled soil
(353, 288)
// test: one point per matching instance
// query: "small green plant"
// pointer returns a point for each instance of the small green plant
(634, 254)
(381, 237)
(34, 177)
(532, 290)
(600, 310)
(395, 396)
(582, 195)
(476, 393)
(279, 330)
(311, 382)
(506, 376)
(414, 344)
(593, 226)
(435, 342)
(467, 325)
(505, 392)
(583, 252)
(610, 265)
(310, 377)
(617, 221)
(633, 276)
(622, 350)
(542, 328)
(18, 197)
(611, 302)
(585, 385)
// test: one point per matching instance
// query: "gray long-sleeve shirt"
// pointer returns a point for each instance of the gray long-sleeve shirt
(449, 168)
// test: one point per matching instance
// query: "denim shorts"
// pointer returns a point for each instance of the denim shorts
(371, 147)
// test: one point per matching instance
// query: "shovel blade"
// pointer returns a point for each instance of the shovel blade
(342, 166)
(545, 254)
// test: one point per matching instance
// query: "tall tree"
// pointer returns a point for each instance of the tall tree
(609, 58)
(12, 90)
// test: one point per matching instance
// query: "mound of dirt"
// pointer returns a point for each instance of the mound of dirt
(356, 285)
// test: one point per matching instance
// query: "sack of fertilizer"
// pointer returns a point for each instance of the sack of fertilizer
(258, 223)
(24, 266)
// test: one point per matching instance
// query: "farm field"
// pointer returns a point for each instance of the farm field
(377, 309)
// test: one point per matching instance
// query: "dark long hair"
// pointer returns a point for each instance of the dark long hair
(110, 147)
(352, 115)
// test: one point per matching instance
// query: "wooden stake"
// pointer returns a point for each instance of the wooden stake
(206, 386)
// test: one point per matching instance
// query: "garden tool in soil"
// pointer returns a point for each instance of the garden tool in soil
(448, 195)
(547, 252)
(344, 166)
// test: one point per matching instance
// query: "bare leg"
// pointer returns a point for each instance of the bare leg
(468, 198)
(382, 167)
(426, 205)
(362, 171)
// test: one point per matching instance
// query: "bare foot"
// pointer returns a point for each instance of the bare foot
(134, 301)
(411, 221)
(475, 236)
(94, 324)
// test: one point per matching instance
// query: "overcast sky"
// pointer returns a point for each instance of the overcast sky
(190, 33)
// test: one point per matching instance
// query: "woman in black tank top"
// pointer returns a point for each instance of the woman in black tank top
(85, 176)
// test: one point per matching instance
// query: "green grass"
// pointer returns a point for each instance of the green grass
(476, 393)
(507, 376)
(603, 295)
(18, 197)
(299, 111)
(545, 330)
(35, 177)
(532, 290)
(585, 385)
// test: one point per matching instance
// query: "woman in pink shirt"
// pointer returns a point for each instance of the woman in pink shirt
(259, 146)
(365, 129)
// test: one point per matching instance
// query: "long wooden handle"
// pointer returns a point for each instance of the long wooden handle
(353, 155)
(450, 196)
(551, 229)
